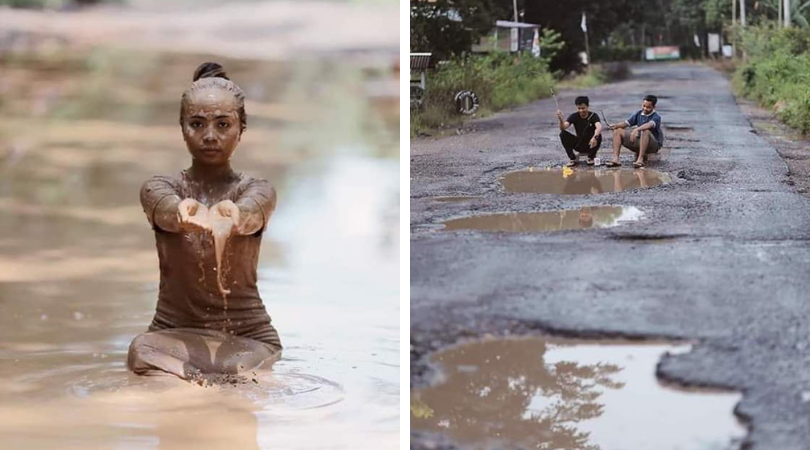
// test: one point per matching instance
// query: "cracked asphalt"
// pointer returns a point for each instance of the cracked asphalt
(721, 258)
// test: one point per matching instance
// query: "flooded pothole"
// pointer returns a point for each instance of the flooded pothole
(539, 393)
(581, 181)
(570, 219)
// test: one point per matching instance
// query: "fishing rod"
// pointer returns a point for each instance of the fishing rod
(605, 117)
(555, 99)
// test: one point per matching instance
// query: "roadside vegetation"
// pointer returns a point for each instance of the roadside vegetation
(776, 72)
(499, 80)
(598, 74)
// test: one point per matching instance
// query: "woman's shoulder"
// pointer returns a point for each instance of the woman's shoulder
(245, 179)
(251, 185)
(173, 180)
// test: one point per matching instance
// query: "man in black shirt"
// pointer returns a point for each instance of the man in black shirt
(589, 132)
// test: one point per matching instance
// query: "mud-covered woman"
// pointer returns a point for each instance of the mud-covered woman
(208, 221)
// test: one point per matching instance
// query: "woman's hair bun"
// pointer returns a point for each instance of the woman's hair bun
(210, 70)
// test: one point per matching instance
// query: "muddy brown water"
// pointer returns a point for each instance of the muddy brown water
(79, 273)
(580, 181)
(573, 219)
(532, 393)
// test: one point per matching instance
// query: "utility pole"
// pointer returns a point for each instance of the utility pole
(742, 13)
(734, 28)
(733, 12)
(514, 6)
(787, 13)
(584, 26)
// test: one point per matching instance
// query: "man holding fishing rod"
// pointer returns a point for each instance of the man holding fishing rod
(588, 129)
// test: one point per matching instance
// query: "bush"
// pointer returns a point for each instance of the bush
(598, 75)
(777, 72)
(616, 53)
(500, 80)
(615, 71)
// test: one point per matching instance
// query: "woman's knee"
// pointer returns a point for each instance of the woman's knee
(255, 355)
(140, 350)
(155, 352)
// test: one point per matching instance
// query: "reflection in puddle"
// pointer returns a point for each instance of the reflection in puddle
(536, 393)
(578, 219)
(581, 181)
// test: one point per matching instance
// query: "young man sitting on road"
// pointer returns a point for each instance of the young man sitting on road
(645, 136)
(589, 132)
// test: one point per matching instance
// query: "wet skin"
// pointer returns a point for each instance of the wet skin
(211, 129)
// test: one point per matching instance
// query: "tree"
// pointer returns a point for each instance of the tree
(565, 17)
(448, 28)
(799, 11)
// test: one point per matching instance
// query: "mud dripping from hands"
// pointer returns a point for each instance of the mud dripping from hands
(220, 227)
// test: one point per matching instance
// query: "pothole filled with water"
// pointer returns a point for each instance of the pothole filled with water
(539, 393)
(581, 181)
(571, 219)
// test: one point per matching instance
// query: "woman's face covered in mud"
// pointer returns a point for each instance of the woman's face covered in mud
(211, 125)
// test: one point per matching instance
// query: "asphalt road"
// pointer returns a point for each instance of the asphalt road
(721, 258)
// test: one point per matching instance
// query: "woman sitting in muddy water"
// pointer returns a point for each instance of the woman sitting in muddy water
(208, 221)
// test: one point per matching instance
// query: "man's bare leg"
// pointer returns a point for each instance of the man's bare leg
(642, 146)
(617, 144)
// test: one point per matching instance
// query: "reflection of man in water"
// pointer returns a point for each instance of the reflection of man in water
(582, 182)
(586, 217)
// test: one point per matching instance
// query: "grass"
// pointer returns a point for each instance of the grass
(776, 73)
(598, 75)
(500, 80)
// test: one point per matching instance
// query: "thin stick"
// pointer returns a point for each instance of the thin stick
(555, 99)
(605, 117)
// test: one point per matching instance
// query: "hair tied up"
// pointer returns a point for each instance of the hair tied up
(210, 70)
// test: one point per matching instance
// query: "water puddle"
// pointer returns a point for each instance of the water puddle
(537, 393)
(581, 181)
(79, 271)
(572, 219)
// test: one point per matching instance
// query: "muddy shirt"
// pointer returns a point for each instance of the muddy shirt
(189, 296)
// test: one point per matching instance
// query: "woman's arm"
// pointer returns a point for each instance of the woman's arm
(165, 210)
(159, 200)
(252, 210)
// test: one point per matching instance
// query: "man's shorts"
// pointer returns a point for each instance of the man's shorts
(652, 147)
